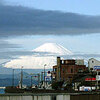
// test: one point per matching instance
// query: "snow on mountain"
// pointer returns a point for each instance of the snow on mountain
(53, 48)
(45, 54)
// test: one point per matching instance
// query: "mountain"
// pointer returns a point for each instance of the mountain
(53, 48)
(44, 54)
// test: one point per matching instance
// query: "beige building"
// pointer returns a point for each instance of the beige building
(93, 62)
(79, 61)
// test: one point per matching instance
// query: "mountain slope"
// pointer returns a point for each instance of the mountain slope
(53, 48)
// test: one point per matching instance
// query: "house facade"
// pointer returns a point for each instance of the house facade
(92, 63)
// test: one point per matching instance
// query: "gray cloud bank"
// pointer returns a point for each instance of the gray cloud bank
(7, 49)
(17, 20)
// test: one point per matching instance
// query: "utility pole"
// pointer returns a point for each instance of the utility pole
(44, 76)
(21, 77)
(38, 79)
(97, 80)
(13, 77)
(31, 81)
(51, 77)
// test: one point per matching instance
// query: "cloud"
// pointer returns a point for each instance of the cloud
(14, 54)
(32, 62)
(38, 62)
(6, 45)
(17, 21)
(9, 50)
(88, 55)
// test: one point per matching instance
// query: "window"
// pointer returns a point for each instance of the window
(63, 70)
(92, 61)
(55, 69)
(80, 70)
(71, 70)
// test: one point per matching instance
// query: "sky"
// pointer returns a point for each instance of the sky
(27, 24)
(88, 7)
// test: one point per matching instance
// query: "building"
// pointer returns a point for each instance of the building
(93, 62)
(65, 70)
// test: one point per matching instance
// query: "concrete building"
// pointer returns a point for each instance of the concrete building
(93, 62)
(67, 69)
(79, 62)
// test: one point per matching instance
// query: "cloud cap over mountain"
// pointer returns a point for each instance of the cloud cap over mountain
(17, 20)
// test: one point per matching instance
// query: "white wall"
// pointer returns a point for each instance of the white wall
(93, 62)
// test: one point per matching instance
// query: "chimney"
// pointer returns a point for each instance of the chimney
(58, 69)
